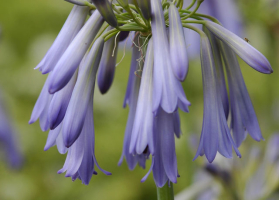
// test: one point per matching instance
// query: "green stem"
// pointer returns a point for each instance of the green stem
(165, 193)
(193, 12)
(191, 5)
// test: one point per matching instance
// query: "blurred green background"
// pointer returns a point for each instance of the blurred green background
(28, 29)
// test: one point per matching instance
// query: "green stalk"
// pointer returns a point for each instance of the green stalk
(165, 193)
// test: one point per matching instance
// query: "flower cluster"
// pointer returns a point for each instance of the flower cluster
(154, 93)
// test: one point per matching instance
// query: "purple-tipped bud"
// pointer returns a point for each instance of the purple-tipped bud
(107, 65)
(70, 29)
(104, 7)
(178, 53)
(145, 7)
(123, 35)
(83, 91)
(69, 62)
(243, 49)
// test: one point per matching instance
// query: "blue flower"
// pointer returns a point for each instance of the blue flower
(215, 134)
(70, 60)
(167, 92)
(9, 143)
(108, 64)
(68, 32)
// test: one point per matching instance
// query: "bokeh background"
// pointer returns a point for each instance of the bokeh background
(28, 29)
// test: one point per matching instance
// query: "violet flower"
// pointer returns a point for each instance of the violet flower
(178, 53)
(131, 99)
(69, 62)
(83, 90)
(215, 134)
(68, 32)
(9, 143)
(243, 115)
(108, 64)
(243, 49)
(168, 92)
(142, 132)
(81, 160)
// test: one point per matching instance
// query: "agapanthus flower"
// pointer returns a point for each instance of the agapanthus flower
(8, 139)
(154, 92)
(226, 11)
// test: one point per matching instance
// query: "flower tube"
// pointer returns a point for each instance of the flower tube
(243, 49)
(84, 89)
(168, 92)
(215, 134)
(178, 53)
(68, 32)
(104, 7)
(70, 60)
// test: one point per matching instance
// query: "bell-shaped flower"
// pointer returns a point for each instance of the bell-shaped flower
(221, 82)
(60, 102)
(167, 90)
(68, 32)
(142, 132)
(131, 99)
(80, 162)
(243, 49)
(83, 90)
(70, 60)
(108, 64)
(105, 8)
(178, 53)
(40, 109)
(164, 164)
(215, 134)
(243, 116)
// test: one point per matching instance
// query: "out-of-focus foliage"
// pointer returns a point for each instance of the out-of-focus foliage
(29, 28)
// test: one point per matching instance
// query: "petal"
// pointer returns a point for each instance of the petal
(108, 64)
(178, 53)
(70, 60)
(68, 32)
(243, 49)
(83, 91)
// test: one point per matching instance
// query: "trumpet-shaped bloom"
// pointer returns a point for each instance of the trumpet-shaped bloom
(107, 64)
(68, 32)
(142, 133)
(178, 53)
(131, 99)
(215, 134)
(243, 116)
(83, 91)
(59, 103)
(221, 82)
(167, 92)
(243, 49)
(70, 60)
(80, 162)
(164, 164)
